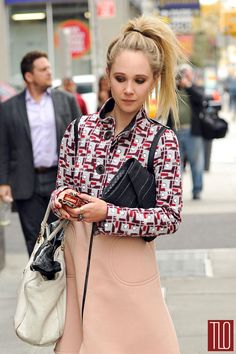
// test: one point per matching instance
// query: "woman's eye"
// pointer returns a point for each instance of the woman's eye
(140, 81)
(120, 79)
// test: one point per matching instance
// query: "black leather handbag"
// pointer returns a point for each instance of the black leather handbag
(213, 127)
(134, 186)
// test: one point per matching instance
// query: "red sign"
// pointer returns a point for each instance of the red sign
(220, 335)
(187, 42)
(79, 37)
(105, 8)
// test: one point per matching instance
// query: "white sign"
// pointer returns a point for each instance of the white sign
(180, 20)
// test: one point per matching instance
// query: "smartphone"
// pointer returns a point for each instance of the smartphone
(72, 201)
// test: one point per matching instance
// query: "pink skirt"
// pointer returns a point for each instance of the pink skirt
(125, 312)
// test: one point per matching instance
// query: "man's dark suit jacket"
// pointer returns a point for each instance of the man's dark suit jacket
(16, 155)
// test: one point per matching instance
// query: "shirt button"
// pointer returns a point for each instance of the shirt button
(100, 169)
(107, 134)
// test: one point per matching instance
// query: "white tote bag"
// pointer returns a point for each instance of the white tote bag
(41, 303)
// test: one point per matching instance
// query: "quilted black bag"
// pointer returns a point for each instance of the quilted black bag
(134, 186)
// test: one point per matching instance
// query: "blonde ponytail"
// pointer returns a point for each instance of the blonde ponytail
(155, 39)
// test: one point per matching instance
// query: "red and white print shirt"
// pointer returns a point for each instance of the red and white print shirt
(99, 156)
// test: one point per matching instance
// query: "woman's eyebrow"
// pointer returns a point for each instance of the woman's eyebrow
(136, 75)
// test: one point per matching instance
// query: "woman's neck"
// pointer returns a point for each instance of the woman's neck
(121, 120)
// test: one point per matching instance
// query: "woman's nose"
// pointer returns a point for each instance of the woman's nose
(129, 88)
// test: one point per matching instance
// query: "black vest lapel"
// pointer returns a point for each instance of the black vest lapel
(56, 104)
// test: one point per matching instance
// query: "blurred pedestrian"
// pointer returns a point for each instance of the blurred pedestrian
(230, 85)
(104, 91)
(70, 86)
(190, 138)
(124, 290)
(32, 124)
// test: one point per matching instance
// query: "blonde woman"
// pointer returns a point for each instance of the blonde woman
(124, 312)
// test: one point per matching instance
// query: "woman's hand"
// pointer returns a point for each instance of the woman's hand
(93, 210)
(62, 209)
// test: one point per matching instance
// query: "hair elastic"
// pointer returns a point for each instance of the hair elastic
(136, 30)
(143, 34)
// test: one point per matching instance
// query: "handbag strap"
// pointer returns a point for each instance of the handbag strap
(91, 236)
(153, 148)
(46, 216)
(87, 272)
(44, 224)
(76, 134)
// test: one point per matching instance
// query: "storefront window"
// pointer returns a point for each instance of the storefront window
(24, 36)
(32, 34)
(70, 63)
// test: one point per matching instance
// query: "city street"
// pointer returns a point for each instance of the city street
(87, 51)
(197, 264)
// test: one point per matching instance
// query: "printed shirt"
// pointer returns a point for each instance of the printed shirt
(99, 156)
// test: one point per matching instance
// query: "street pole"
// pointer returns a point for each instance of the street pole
(93, 24)
(50, 36)
(65, 61)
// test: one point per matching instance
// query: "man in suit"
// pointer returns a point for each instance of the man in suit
(32, 124)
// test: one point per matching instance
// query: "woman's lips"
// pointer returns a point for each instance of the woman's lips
(128, 101)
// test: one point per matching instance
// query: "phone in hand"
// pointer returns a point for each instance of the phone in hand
(72, 201)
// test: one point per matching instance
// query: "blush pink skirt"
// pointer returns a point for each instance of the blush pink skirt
(125, 312)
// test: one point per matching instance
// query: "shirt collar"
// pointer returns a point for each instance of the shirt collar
(28, 96)
(108, 107)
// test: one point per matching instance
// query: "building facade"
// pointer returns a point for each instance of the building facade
(74, 33)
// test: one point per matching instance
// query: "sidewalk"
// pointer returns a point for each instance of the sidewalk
(198, 284)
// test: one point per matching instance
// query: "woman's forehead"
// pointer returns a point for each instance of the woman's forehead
(131, 61)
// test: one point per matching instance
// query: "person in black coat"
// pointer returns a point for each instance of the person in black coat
(189, 134)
